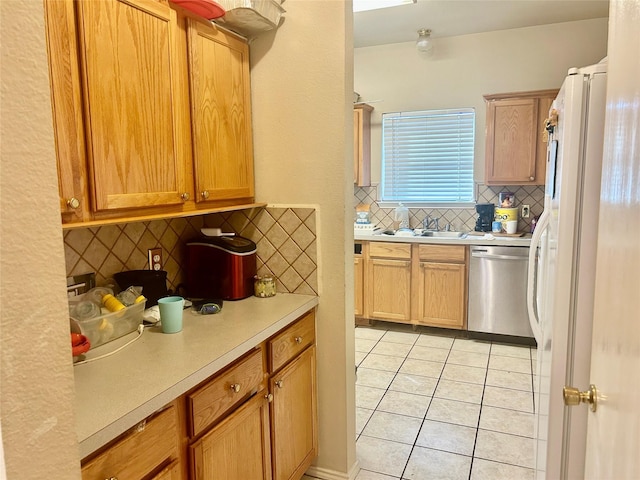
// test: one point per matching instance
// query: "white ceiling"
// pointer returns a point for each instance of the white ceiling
(460, 17)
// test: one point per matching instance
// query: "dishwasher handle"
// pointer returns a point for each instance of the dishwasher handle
(493, 256)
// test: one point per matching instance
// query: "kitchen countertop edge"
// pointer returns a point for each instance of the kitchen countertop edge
(523, 241)
(100, 419)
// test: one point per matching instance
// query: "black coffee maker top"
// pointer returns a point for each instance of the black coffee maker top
(486, 213)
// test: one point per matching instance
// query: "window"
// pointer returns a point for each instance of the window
(427, 157)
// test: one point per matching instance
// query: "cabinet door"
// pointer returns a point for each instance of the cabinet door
(220, 114)
(66, 100)
(442, 296)
(358, 278)
(512, 135)
(389, 293)
(238, 447)
(362, 145)
(294, 417)
(128, 51)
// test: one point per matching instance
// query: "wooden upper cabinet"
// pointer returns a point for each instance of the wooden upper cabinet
(220, 113)
(66, 104)
(362, 145)
(128, 51)
(515, 137)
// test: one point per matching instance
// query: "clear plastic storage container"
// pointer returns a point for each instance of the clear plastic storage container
(107, 327)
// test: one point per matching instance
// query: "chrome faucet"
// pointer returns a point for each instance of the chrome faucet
(430, 223)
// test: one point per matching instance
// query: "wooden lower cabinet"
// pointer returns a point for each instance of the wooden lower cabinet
(388, 282)
(264, 434)
(420, 284)
(441, 280)
(238, 447)
(442, 298)
(358, 297)
(150, 450)
(256, 419)
(293, 417)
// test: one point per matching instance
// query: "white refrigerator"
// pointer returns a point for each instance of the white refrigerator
(562, 262)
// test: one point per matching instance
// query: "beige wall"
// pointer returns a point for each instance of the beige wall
(302, 84)
(464, 68)
(36, 381)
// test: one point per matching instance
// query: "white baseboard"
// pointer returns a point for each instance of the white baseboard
(326, 474)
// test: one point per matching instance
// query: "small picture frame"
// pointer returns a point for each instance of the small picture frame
(507, 199)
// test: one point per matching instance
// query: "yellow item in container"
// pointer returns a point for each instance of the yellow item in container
(112, 303)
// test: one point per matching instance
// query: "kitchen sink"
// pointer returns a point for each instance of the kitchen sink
(405, 232)
(442, 234)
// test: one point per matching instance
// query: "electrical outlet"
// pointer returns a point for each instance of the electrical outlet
(525, 211)
(155, 259)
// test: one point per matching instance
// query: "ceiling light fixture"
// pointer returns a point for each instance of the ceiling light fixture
(424, 43)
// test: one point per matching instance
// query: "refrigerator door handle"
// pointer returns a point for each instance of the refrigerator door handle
(532, 274)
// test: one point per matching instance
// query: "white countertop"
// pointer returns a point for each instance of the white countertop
(523, 241)
(116, 392)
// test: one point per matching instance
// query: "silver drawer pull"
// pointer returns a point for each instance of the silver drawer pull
(235, 387)
(298, 339)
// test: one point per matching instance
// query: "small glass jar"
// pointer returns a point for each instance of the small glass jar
(264, 286)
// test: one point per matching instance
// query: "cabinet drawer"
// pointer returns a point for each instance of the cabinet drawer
(139, 453)
(209, 402)
(443, 253)
(291, 341)
(390, 250)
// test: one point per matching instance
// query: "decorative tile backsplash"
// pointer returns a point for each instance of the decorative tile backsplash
(461, 219)
(285, 239)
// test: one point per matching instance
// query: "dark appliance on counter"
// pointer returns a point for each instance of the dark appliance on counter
(486, 213)
(221, 267)
(153, 283)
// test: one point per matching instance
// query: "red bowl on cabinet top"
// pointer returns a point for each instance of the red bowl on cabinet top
(205, 8)
(79, 344)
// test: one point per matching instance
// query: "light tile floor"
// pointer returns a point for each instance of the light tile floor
(432, 406)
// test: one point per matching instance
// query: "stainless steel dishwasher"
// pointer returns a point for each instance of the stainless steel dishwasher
(498, 290)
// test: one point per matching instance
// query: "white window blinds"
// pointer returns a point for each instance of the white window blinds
(427, 156)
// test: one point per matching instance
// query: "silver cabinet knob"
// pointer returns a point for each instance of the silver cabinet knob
(532, 178)
(205, 194)
(269, 397)
(298, 339)
(184, 196)
(279, 384)
(235, 387)
(73, 202)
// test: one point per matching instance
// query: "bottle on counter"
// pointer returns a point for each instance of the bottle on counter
(401, 216)
(534, 222)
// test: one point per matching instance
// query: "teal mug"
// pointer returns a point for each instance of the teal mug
(171, 309)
